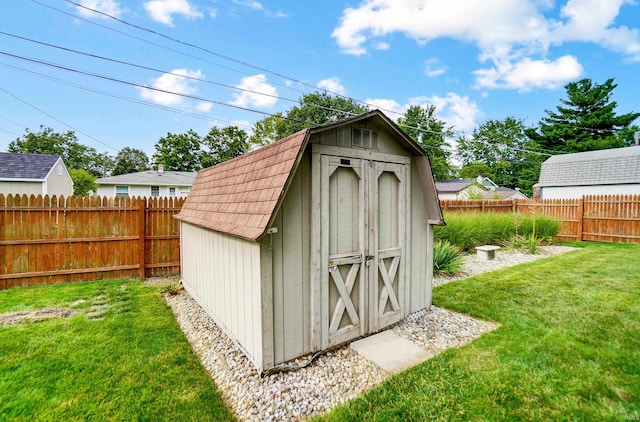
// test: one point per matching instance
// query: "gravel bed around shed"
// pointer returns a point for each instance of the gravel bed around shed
(336, 376)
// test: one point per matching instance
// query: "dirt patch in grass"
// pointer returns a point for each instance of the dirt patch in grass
(15, 318)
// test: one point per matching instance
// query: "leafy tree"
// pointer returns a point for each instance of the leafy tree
(504, 148)
(585, 121)
(65, 145)
(423, 126)
(83, 182)
(130, 160)
(224, 144)
(316, 108)
(265, 131)
(475, 169)
(179, 152)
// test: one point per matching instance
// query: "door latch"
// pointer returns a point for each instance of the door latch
(367, 259)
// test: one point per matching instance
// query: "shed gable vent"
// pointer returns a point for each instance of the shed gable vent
(365, 138)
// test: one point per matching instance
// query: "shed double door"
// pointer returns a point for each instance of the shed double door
(363, 223)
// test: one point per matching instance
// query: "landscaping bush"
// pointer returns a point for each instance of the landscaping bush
(469, 229)
(446, 258)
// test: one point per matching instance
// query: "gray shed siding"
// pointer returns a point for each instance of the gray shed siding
(291, 271)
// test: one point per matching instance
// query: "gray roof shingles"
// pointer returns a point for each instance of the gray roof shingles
(602, 167)
(26, 166)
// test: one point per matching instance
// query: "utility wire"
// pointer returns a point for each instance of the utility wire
(56, 119)
(125, 98)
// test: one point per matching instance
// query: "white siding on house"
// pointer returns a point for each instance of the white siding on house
(19, 188)
(222, 273)
(144, 191)
(576, 192)
(58, 181)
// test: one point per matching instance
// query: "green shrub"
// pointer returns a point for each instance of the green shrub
(446, 258)
(469, 229)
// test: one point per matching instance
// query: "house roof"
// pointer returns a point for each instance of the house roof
(454, 185)
(151, 177)
(602, 167)
(241, 196)
(14, 166)
(503, 193)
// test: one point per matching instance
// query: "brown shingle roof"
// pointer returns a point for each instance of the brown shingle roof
(239, 196)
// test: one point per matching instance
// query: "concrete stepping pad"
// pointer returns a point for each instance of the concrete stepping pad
(390, 351)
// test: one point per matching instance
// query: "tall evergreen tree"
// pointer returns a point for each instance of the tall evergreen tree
(585, 121)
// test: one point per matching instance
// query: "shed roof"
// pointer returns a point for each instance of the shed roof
(240, 196)
(15, 166)
(151, 177)
(602, 167)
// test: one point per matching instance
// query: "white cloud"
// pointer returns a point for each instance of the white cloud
(433, 67)
(332, 85)
(459, 112)
(170, 84)
(256, 92)
(110, 7)
(515, 35)
(163, 10)
(385, 105)
(204, 106)
(251, 4)
(527, 74)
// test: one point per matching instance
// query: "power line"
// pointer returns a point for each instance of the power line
(126, 63)
(220, 55)
(125, 98)
(55, 118)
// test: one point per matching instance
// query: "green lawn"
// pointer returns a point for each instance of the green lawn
(568, 347)
(120, 356)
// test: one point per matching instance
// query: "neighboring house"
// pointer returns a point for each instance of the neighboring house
(34, 174)
(315, 240)
(147, 183)
(463, 189)
(604, 172)
(502, 193)
(475, 189)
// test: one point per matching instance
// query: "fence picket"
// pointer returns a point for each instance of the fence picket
(56, 239)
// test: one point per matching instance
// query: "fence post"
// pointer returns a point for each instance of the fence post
(580, 213)
(142, 228)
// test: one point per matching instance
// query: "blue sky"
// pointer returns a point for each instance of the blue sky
(236, 61)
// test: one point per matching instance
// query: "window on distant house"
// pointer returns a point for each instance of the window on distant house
(122, 191)
(172, 191)
(155, 190)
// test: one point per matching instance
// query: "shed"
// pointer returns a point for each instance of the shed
(317, 239)
(34, 174)
(614, 171)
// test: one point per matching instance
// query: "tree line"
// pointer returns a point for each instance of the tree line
(507, 151)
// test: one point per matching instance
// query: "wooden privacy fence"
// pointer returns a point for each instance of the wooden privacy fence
(46, 240)
(600, 218)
